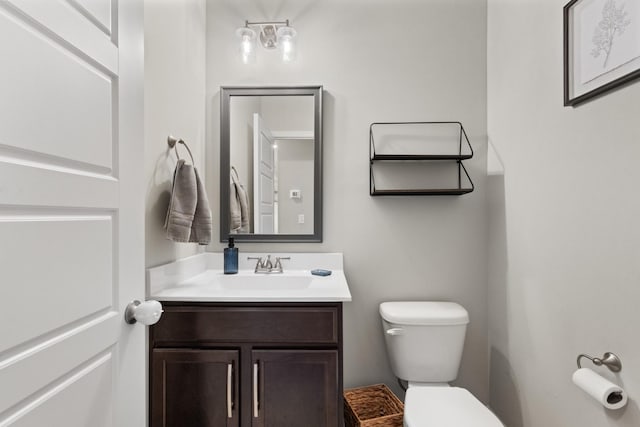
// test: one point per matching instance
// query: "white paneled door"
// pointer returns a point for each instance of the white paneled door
(71, 213)
(263, 178)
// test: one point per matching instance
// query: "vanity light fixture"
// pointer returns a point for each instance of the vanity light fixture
(272, 35)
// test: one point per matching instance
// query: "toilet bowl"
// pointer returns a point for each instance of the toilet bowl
(425, 340)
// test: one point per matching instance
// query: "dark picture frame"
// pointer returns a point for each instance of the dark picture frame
(591, 31)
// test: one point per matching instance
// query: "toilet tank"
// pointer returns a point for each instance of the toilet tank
(424, 339)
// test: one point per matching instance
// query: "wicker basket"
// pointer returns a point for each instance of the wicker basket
(372, 406)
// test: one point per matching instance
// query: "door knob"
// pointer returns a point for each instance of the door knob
(147, 313)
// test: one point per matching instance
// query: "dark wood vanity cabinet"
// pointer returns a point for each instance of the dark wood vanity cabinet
(184, 379)
(247, 365)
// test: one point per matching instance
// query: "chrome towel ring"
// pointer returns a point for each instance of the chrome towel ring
(172, 141)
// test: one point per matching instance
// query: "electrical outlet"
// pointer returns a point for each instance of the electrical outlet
(301, 219)
(295, 194)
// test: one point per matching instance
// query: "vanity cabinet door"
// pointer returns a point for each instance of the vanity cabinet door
(295, 388)
(194, 388)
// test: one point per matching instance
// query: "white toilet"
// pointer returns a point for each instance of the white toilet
(424, 344)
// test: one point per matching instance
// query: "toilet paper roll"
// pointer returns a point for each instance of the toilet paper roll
(604, 391)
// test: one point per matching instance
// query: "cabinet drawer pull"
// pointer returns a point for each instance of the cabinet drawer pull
(229, 390)
(256, 406)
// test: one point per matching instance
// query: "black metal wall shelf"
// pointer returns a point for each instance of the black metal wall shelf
(455, 158)
(421, 156)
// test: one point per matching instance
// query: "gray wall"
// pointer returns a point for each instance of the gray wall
(378, 60)
(295, 159)
(295, 163)
(288, 113)
(174, 54)
(564, 227)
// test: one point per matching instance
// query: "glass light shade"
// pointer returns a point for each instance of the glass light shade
(247, 44)
(287, 43)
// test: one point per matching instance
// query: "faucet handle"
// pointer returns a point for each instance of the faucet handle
(259, 263)
(278, 264)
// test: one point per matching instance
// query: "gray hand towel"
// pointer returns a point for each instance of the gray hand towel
(188, 216)
(238, 205)
(243, 199)
(234, 209)
(202, 227)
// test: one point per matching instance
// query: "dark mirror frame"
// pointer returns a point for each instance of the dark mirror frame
(226, 92)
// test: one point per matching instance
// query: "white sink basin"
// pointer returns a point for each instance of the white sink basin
(200, 278)
(263, 282)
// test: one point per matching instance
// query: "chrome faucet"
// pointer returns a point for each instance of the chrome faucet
(266, 266)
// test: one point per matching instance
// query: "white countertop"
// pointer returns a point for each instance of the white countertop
(200, 279)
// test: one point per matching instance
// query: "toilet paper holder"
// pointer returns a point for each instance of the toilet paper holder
(609, 360)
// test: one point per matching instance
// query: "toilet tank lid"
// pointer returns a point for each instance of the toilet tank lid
(424, 313)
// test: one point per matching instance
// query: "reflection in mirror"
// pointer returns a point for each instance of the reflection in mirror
(271, 160)
(271, 152)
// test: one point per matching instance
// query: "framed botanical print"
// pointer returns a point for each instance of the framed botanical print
(601, 47)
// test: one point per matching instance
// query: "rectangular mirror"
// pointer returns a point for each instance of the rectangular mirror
(271, 164)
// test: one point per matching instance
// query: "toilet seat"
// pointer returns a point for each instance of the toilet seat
(426, 406)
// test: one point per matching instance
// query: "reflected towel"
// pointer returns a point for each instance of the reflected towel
(238, 205)
(188, 216)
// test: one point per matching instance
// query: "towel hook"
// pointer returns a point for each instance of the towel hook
(172, 141)
(609, 360)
